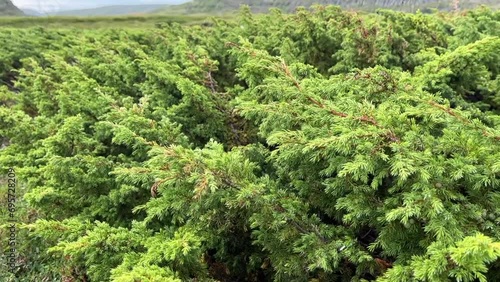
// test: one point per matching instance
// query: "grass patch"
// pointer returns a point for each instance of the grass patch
(136, 21)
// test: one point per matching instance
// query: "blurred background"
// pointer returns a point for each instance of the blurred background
(131, 7)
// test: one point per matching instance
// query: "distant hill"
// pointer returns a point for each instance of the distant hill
(32, 12)
(218, 7)
(223, 6)
(50, 6)
(110, 10)
(9, 9)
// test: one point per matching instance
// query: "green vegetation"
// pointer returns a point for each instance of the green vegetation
(325, 145)
(143, 21)
(223, 6)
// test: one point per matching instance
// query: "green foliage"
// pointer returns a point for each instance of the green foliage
(104, 22)
(465, 261)
(262, 6)
(323, 145)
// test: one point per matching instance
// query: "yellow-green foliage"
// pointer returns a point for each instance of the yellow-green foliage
(324, 145)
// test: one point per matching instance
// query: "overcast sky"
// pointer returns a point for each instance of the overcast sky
(49, 5)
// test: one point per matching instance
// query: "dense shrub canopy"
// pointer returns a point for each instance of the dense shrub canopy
(324, 145)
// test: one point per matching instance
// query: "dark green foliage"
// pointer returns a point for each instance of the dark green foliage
(323, 145)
